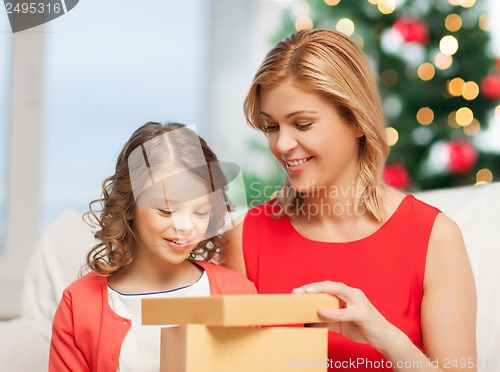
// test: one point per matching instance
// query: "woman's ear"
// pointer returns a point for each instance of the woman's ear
(129, 215)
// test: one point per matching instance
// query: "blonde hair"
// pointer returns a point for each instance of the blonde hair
(328, 63)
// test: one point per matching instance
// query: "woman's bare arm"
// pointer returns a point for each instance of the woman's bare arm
(233, 250)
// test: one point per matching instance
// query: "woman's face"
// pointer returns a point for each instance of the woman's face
(315, 145)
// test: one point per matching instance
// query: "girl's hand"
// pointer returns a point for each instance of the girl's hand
(356, 318)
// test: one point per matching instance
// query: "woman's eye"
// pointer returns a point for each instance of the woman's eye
(271, 128)
(303, 126)
(166, 212)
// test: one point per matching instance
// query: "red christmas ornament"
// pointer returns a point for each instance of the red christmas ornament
(396, 175)
(490, 87)
(462, 156)
(412, 30)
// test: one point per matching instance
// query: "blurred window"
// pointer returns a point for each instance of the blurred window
(111, 66)
(5, 65)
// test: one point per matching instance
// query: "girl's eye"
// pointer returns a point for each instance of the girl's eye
(202, 213)
(166, 212)
(303, 126)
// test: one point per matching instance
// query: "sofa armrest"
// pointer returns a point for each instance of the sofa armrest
(24, 347)
(57, 260)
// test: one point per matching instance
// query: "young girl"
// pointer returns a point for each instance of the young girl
(398, 265)
(164, 206)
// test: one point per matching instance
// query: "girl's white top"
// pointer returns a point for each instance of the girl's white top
(140, 350)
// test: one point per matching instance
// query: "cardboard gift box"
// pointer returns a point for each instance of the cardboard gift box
(224, 334)
(198, 348)
(237, 310)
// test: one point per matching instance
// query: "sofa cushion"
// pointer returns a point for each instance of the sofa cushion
(476, 210)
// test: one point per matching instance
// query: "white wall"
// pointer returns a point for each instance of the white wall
(241, 34)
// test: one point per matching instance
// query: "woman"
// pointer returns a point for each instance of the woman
(398, 266)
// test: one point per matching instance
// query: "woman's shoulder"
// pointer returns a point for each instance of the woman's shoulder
(396, 200)
(267, 209)
(265, 215)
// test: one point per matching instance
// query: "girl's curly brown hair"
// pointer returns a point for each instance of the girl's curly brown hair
(113, 217)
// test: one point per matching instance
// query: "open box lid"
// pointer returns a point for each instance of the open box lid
(237, 310)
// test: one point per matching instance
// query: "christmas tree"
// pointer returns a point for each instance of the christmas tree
(437, 78)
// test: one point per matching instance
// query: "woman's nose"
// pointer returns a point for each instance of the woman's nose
(285, 141)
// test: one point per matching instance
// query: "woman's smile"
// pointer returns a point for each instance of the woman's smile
(297, 164)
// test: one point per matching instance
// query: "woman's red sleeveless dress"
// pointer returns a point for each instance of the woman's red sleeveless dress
(388, 266)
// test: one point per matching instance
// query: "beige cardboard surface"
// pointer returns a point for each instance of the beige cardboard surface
(195, 348)
(238, 310)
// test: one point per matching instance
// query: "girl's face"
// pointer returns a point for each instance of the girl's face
(170, 225)
(305, 132)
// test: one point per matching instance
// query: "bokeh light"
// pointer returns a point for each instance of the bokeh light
(358, 39)
(386, 6)
(346, 26)
(425, 116)
(443, 61)
(392, 105)
(452, 120)
(484, 22)
(392, 136)
(464, 116)
(303, 23)
(467, 3)
(456, 86)
(484, 175)
(470, 90)
(426, 71)
(453, 22)
(473, 128)
(448, 45)
(422, 135)
(389, 77)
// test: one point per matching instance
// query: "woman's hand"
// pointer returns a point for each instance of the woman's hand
(356, 318)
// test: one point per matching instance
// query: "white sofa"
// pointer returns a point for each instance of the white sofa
(61, 251)
(476, 209)
(57, 259)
